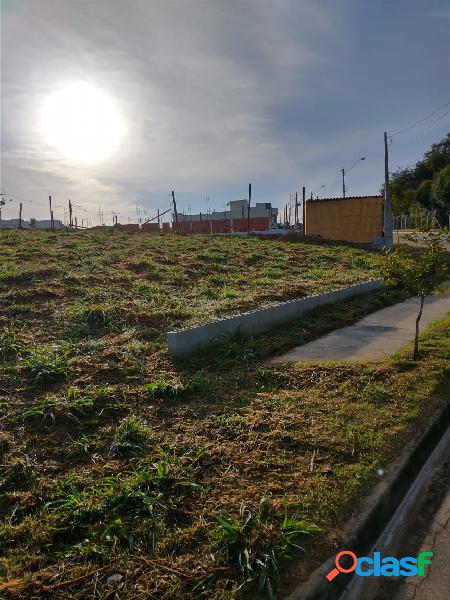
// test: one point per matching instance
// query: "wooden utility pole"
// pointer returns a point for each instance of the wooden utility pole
(387, 215)
(175, 210)
(159, 223)
(20, 215)
(51, 212)
(343, 182)
(248, 207)
(70, 214)
(296, 210)
(304, 209)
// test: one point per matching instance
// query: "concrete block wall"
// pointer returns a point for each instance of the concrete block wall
(355, 219)
(129, 227)
(184, 341)
(222, 225)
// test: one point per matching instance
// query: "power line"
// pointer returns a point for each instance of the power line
(430, 126)
(425, 130)
(418, 122)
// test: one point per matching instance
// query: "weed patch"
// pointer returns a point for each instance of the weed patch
(131, 437)
(46, 366)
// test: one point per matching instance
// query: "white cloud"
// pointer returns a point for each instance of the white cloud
(195, 82)
(214, 93)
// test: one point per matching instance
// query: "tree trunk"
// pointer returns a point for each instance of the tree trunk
(416, 339)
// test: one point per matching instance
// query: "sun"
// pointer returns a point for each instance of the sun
(82, 122)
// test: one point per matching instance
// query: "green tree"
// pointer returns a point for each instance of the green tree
(424, 193)
(399, 201)
(413, 184)
(440, 191)
(418, 273)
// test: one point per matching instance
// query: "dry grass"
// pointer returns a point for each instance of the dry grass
(181, 475)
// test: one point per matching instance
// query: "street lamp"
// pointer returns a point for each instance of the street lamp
(343, 171)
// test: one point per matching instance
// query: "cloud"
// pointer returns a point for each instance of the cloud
(214, 93)
(195, 82)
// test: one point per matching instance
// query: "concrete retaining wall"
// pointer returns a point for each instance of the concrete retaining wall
(184, 341)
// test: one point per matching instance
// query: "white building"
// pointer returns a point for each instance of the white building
(238, 210)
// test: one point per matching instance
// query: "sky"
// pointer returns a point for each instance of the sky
(209, 95)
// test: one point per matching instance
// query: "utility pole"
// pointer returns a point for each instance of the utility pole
(70, 214)
(175, 210)
(2, 203)
(343, 182)
(159, 223)
(304, 210)
(387, 216)
(20, 215)
(51, 212)
(248, 207)
(296, 210)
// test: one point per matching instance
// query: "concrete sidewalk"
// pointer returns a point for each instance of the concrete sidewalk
(373, 338)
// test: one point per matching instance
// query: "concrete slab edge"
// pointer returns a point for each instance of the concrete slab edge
(188, 339)
(366, 588)
(378, 510)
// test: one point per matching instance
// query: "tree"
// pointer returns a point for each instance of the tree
(424, 193)
(418, 273)
(416, 183)
(440, 191)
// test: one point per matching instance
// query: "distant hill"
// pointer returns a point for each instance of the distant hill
(43, 224)
(426, 186)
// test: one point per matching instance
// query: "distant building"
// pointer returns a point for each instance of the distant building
(261, 218)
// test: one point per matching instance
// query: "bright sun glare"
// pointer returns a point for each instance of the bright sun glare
(82, 122)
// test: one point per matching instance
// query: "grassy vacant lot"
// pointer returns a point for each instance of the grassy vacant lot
(188, 479)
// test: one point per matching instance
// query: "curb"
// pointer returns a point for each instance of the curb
(365, 588)
(188, 339)
(378, 511)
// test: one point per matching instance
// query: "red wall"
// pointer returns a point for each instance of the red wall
(129, 227)
(222, 225)
(153, 227)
